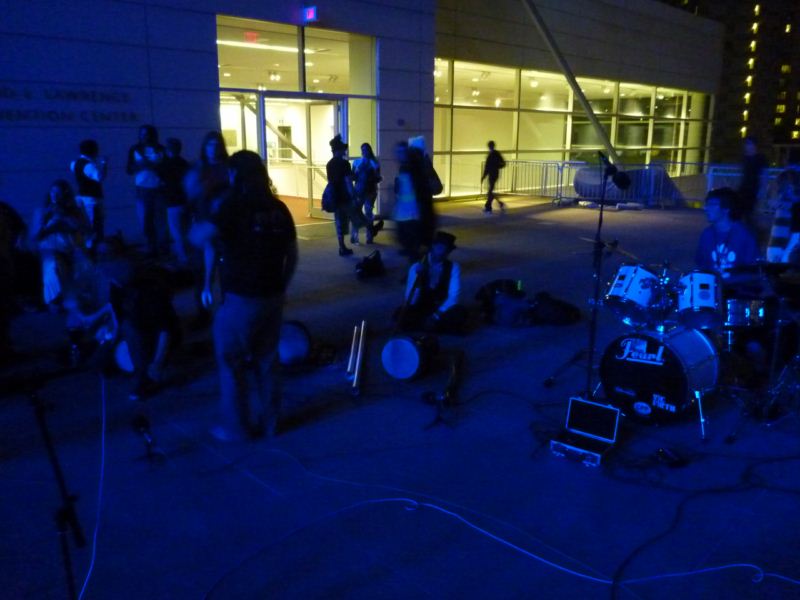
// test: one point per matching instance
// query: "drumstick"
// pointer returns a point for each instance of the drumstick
(359, 359)
(351, 360)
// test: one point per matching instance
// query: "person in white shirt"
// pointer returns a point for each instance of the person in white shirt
(433, 289)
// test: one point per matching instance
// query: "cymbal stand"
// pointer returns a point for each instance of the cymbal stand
(66, 516)
(698, 395)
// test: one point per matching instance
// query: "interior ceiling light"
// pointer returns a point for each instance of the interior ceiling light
(534, 83)
(226, 74)
(309, 64)
(475, 80)
(606, 90)
(315, 81)
(257, 46)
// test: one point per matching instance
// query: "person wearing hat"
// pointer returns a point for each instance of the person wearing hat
(432, 290)
(340, 177)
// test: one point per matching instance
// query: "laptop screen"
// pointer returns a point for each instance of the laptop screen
(592, 419)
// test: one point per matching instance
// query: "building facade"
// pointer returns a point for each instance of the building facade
(459, 72)
(759, 91)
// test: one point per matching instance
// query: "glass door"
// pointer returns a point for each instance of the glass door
(296, 136)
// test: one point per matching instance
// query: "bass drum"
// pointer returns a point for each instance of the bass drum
(406, 357)
(654, 377)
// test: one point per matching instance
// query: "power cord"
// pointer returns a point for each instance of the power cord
(99, 486)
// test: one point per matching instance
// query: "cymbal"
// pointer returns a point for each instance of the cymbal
(612, 247)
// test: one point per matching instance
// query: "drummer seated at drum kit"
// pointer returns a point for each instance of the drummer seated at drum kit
(432, 291)
(725, 243)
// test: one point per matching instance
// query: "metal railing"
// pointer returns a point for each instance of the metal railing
(662, 184)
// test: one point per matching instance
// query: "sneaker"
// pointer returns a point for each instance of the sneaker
(344, 251)
(377, 227)
(487, 210)
(502, 206)
(355, 241)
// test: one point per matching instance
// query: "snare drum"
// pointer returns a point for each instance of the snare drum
(654, 376)
(631, 293)
(406, 357)
(294, 346)
(699, 300)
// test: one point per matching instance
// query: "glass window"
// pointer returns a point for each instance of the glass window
(669, 103)
(666, 133)
(696, 132)
(633, 132)
(544, 91)
(441, 163)
(633, 157)
(584, 134)
(361, 117)
(442, 83)
(339, 63)
(238, 115)
(697, 105)
(441, 128)
(473, 128)
(465, 173)
(257, 55)
(484, 85)
(541, 130)
(635, 100)
(599, 93)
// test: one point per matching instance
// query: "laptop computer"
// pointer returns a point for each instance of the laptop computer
(589, 433)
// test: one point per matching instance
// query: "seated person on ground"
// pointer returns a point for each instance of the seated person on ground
(432, 291)
(134, 308)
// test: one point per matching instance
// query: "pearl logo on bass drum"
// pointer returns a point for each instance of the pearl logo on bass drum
(635, 350)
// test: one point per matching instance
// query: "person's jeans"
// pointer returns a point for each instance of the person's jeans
(152, 211)
(246, 336)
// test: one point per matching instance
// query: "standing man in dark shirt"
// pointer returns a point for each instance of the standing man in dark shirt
(173, 172)
(90, 171)
(145, 160)
(257, 242)
(754, 166)
(491, 169)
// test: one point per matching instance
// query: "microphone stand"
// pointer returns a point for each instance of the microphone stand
(65, 516)
(622, 181)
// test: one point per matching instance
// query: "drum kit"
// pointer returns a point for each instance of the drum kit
(700, 334)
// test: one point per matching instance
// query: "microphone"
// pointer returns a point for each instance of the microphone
(620, 179)
(610, 169)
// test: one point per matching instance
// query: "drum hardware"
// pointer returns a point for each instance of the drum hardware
(447, 399)
(66, 516)
(611, 247)
(622, 181)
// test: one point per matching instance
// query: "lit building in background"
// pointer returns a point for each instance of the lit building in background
(274, 81)
(759, 92)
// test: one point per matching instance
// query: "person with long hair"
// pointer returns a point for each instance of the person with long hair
(145, 159)
(254, 235)
(59, 233)
(367, 176)
(205, 184)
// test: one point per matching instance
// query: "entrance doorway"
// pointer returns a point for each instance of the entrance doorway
(292, 135)
(296, 136)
